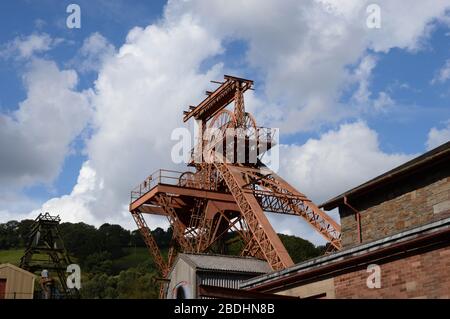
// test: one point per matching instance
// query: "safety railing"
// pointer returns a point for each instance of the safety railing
(268, 135)
(266, 138)
(161, 176)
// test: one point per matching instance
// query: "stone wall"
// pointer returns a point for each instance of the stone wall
(410, 202)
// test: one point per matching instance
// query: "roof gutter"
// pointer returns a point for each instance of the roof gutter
(357, 218)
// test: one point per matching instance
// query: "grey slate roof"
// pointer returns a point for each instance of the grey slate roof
(227, 263)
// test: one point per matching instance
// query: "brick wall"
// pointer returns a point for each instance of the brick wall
(413, 201)
(424, 275)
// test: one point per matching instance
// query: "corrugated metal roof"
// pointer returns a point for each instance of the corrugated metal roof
(227, 263)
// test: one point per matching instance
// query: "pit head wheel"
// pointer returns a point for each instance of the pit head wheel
(217, 129)
(249, 126)
(187, 179)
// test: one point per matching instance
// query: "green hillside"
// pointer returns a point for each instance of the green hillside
(11, 256)
(115, 262)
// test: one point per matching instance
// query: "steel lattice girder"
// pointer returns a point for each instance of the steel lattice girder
(274, 195)
(278, 196)
(177, 226)
(150, 242)
(45, 239)
(244, 190)
(274, 251)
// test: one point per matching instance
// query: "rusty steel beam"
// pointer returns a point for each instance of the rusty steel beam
(204, 204)
(179, 191)
(219, 99)
(262, 231)
(280, 197)
(239, 106)
(150, 243)
(178, 227)
(214, 236)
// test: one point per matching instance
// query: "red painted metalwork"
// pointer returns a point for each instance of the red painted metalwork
(220, 194)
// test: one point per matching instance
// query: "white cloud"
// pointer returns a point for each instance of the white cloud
(140, 95)
(336, 162)
(361, 76)
(406, 26)
(74, 207)
(362, 97)
(16, 206)
(94, 52)
(382, 102)
(77, 205)
(443, 74)
(26, 47)
(36, 137)
(40, 23)
(302, 49)
(437, 136)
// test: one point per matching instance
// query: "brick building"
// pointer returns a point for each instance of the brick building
(413, 194)
(395, 233)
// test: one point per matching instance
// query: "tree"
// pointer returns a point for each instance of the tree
(114, 238)
(9, 237)
(162, 237)
(136, 284)
(100, 286)
(299, 249)
(98, 263)
(23, 230)
(136, 239)
(80, 239)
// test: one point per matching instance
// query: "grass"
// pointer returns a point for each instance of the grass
(133, 257)
(11, 256)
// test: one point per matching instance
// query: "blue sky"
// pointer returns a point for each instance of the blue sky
(403, 72)
(422, 104)
(113, 19)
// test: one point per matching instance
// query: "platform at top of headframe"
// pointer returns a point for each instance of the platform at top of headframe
(143, 197)
(46, 217)
(218, 99)
(184, 190)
